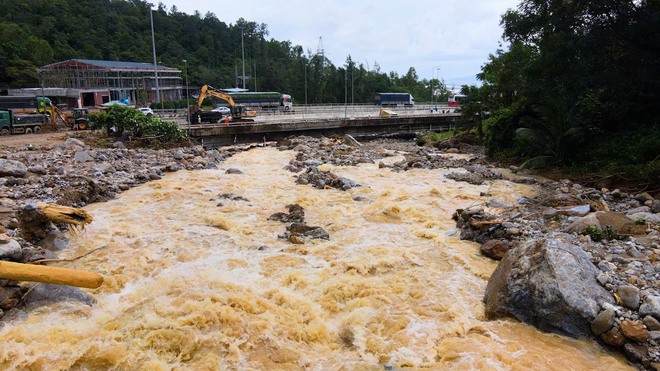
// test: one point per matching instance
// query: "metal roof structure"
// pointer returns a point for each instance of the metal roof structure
(106, 65)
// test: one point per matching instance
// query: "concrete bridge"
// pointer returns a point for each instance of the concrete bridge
(214, 135)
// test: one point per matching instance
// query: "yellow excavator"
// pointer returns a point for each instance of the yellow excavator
(237, 112)
(76, 119)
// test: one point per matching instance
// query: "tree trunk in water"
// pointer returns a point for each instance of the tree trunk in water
(40, 273)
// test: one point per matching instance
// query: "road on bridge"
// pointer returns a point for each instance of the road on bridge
(328, 112)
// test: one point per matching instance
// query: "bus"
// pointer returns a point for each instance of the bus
(265, 100)
(394, 99)
(455, 102)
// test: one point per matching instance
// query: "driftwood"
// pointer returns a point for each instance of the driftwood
(41, 261)
(65, 214)
(46, 274)
(485, 222)
(76, 218)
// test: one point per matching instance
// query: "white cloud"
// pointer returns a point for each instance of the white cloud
(456, 36)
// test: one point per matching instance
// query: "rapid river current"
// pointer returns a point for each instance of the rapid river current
(194, 281)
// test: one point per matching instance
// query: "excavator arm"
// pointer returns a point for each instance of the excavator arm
(208, 90)
(237, 111)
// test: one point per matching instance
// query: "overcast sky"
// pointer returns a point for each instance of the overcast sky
(455, 36)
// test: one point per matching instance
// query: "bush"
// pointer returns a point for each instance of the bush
(126, 121)
(433, 138)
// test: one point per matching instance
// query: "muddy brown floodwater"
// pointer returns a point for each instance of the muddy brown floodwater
(193, 281)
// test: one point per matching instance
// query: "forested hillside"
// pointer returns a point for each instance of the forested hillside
(577, 87)
(38, 32)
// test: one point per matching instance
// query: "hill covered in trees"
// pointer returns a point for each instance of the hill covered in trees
(577, 87)
(38, 32)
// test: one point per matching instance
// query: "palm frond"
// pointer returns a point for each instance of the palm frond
(537, 162)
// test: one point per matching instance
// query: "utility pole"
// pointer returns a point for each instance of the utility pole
(153, 47)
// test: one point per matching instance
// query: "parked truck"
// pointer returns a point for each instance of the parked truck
(25, 104)
(14, 124)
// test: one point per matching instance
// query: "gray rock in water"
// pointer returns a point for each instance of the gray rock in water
(45, 293)
(233, 170)
(305, 231)
(11, 251)
(12, 168)
(549, 284)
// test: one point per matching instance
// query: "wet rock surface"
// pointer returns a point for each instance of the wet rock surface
(549, 283)
(298, 231)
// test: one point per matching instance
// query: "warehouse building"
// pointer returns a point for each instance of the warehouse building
(86, 83)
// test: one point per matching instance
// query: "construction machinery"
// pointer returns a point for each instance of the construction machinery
(25, 104)
(12, 124)
(237, 114)
(76, 119)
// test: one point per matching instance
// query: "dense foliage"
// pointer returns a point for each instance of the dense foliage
(38, 32)
(124, 121)
(578, 87)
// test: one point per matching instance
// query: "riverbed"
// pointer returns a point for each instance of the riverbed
(197, 279)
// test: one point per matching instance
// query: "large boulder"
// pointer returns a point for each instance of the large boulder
(550, 284)
(619, 223)
(12, 168)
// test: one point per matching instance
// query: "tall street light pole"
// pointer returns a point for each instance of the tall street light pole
(436, 101)
(352, 86)
(153, 47)
(345, 93)
(185, 62)
(243, 57)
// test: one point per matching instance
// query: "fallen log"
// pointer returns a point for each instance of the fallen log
(46, 274)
